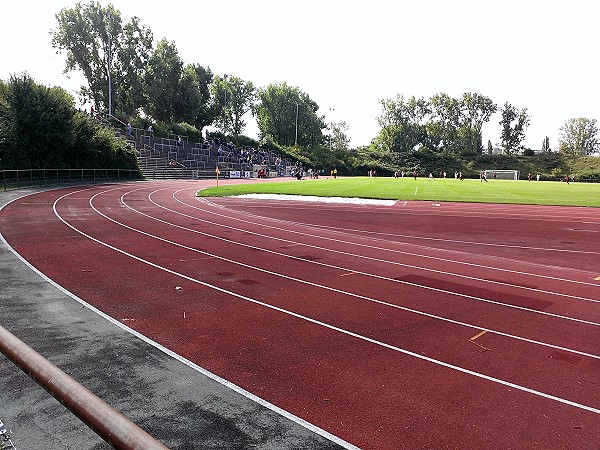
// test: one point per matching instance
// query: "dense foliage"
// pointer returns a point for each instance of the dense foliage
(40, 128)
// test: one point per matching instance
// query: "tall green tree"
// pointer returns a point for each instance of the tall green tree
(194, 104)
(477, 110)
(338, 139)
(111, 56)
(234, 98)
(402, 124)
(445, 122)
(163, 82)
(289, 116)
(242, 100)
(133, 54)
(546, 145)
(579, 136)
(514, 124)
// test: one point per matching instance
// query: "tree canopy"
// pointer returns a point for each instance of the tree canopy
(289, 116)
(40, 128)
(579, 137)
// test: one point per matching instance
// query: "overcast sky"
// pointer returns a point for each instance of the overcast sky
(347, 55)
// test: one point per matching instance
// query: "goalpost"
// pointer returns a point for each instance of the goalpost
(502, 174)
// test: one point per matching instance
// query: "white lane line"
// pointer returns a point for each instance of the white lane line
(330, 250)
(320, 286)
(328, 326)
(383, 249)
(228, 384)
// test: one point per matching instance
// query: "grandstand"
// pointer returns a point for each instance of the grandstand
(177, 157)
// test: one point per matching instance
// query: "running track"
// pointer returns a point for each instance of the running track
(418, 325)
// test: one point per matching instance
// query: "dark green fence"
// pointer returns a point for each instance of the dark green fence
(13, 179)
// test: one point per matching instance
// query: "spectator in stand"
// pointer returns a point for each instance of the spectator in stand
(129, 129)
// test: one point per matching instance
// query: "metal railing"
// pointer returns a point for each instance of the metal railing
(13, 178)
(103, 419)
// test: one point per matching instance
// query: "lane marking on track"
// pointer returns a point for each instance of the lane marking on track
(349, 273)
(405, 236)
(197, 259)
(396, 263)
(320, 323)
(393, 280)
(478, 335)
(385, 249)
(36, 203)
(335, 267)
(222, 381)
(343, 269)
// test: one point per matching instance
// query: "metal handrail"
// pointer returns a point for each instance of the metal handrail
(103, 419)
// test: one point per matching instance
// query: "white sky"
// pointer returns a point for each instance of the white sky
(348, 55)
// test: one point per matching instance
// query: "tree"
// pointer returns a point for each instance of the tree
(111, 56)
(402, 124)
(130, 66)
(289, 116)
(163, 82)
(490, 147)
(40, 128)
(477, 110)
(241, 100)
(193, 104)
(546, 145)
(234, 97)
(514, 123)
(34, 123)
(445, 122)
(338, 140)
(579, 137)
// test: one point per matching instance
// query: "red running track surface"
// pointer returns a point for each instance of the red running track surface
(418, 325)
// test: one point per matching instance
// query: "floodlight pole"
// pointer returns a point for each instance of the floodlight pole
(331, 132)
(225, 104)
(296, 140)
(109, 68)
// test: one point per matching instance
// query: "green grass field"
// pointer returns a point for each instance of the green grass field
(448, 190)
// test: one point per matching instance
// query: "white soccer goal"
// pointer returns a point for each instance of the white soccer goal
(502, 174)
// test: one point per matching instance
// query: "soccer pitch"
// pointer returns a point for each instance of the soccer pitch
(437, 189)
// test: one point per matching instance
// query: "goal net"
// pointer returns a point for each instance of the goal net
(502, 174)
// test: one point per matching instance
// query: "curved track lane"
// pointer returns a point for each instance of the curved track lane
(412, 326)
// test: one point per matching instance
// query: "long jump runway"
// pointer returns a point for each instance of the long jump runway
(418, 325)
